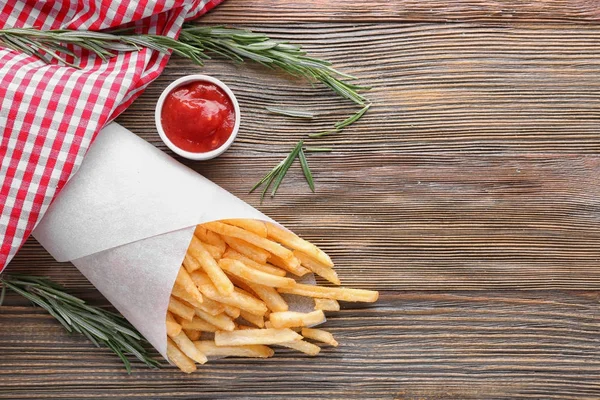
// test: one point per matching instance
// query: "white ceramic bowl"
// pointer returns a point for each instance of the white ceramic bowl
(188, 154)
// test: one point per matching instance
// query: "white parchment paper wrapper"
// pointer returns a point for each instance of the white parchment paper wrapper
(125, 221)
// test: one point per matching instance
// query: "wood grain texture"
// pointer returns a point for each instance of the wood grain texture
(270, 11)
(469, 195)
(411, 345)
(435, 87)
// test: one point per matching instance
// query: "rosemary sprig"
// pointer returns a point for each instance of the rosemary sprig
(194, 43)
(291, 113)
(276, 175)
(345, 123)
(101, 327)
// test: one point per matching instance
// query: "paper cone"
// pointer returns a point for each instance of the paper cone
(125, 221)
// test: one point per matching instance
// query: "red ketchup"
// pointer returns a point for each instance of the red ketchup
(198, 117)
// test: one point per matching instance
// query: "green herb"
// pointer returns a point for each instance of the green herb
(306, 170)
(276, 175)
(291, 113)
(98, 325)
(194, 42)
(345, 123)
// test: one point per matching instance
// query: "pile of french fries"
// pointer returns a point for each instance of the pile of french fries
(226, 300)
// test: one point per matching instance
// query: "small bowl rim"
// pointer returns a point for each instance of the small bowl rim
(189, 154)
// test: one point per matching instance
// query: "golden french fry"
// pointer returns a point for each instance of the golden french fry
(190, 263)
(232, 311)
(343, 294)
(173, 327)
(181, 294)
(212, 307)
(291, 319)
(255, 336)
(185, 281)
(268, 325)
(238, 298)
(192, 334)
(209, 348)
(210, 266)
(301, 345)
(221, 321)
(292, 241)
(319, 335)
(234, 255)
(327, 305)
(249, 250)
(199, 324)
(177, 357)
(239, 269)
(210, 238)
(253, 319)
(292, 265)
(177, 307)
(188, 348)
(318, 268)
(252, 238)
(270, 296)
(252, 225)
(242, 327)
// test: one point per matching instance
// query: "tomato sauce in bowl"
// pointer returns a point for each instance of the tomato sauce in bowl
(197, 117)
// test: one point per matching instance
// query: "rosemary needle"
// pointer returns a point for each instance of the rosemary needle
(345, 123)
(291, 113)
(286, 166)
(306, 170)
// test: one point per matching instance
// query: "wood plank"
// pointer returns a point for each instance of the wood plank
(441, 222)
(436, 87)
(270, 11)
(412, 345)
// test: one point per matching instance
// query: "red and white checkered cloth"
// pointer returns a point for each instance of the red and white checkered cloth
(50, 114)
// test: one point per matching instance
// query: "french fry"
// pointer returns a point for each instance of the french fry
(319, 335)
(181, 294)
(234, 255)
(190, 263)
(239, 269)
(221, 321)
(212, 307)
(292, 265)
(291, 319)
(210, 266)
(268, 325)
(255, 336)
(210, 238)
(292, 241)
(177, 307)
(188, 348)
(252, 225)
(253, 319)
(304, 347)
(246, 327)
(249, 250)
(327, 305)
(252, 238)
(173, 327)
(270, 296)
(209, 348)
(317, 267)
(177, 357)
(192, 334)
(232, 311)
(238, 298)
(185, 281)
(199, 324)
(343, 294)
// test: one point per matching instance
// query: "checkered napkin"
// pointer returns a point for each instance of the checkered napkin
(50, 114)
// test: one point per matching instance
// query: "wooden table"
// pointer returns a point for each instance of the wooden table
(469, 196)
